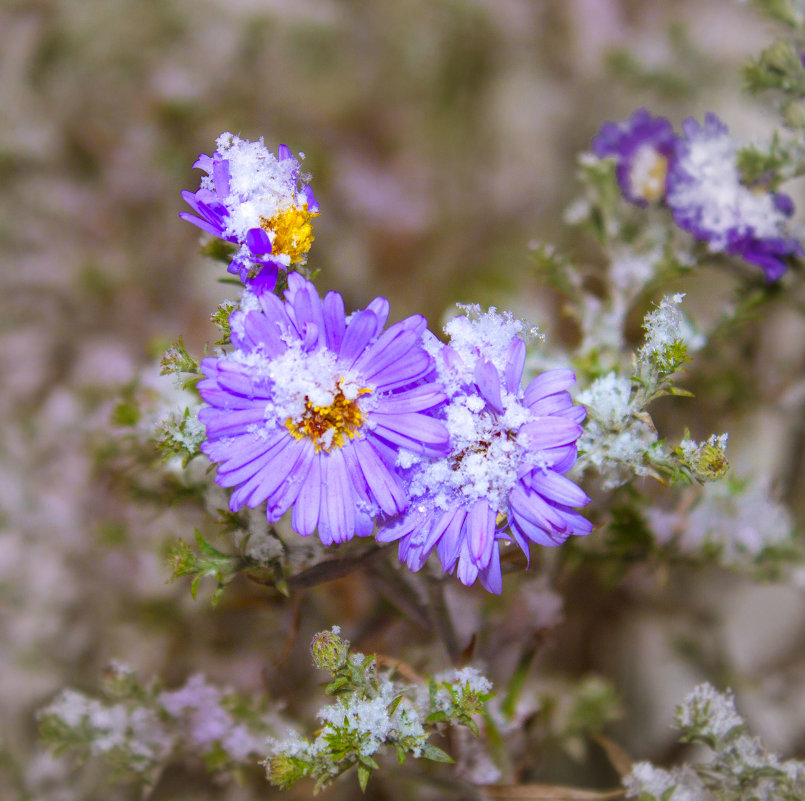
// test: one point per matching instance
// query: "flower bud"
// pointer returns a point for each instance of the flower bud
(283, 770)
(329, 650)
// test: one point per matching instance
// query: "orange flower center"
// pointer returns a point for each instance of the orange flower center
(293, 232)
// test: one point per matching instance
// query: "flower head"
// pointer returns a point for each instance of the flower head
(642, 147)
(509, 449)
(311, 410)
(258, 201)
(708, 199)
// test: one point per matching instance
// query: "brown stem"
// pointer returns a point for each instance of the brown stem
(330, 570)
(440, 618)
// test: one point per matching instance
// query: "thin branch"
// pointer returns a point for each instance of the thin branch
(440, 618)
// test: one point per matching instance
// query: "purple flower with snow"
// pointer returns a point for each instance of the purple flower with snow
(509, 448)
(708, 199)
(258, 201)
(642, 147)
(311, 410)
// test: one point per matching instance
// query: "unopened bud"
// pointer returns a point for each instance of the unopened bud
(329, 650)
(283, 770)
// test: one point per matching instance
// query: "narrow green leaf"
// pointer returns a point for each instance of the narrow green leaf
(363, 777)
(392, 707)
(435, 754)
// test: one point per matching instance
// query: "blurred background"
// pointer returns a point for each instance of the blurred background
(441, 136)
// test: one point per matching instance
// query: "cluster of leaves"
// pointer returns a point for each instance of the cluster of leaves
(374, 713)
(206, 561)
(740, 767)
(779, 72)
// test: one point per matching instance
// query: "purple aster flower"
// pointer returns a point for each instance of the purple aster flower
(509, 449)
(642, 147)
(258, 201)
(310, 410)
(708, 199)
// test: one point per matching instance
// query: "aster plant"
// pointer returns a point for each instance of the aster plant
(698, 177)
(503, 477)
(465, 484)
(259, 202)
(309, 411)
(642, 147)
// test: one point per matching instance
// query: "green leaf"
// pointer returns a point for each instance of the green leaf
(679, 392)
(363, 777)
(334, 686)
(392, 707)
(435, 754)
(368, 762)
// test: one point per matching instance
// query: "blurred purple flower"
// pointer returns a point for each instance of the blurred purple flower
(708, 199)
(258, 201)
(311, 410)
(509, 451)
(641, 147)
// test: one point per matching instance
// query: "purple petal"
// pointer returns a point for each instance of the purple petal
(380, 306)
(282, 497)
(258, 241)
(220, 399)
(490, 576)
(203, 224)
(488, 382)
(558, 488)
(415, 365)
(425, 396)
(263, 331)
(400, 527)
(549, 432)
(384, 485)
(551, 404)
(467, 569)
(265, 280)
(359, 333)
(439, 524)
(364, 525)
(578, 526)
(305, 515)
(575, 413)
(237, 471)
(389, 348)
(310, 199)
(529, 506)
(264, 483)
(234, 378)
(337, 515)
(449, 545)
(333, 310)
(359, 485)
(521, 540)
(229, 422)
(481, 529)
(220, 177)
(414, 432)
(275, 310)
(547, 384)
(537, 534)
(514, 365)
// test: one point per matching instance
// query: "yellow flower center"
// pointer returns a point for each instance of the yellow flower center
(342, 417)
(653, 187)
(293, 233)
